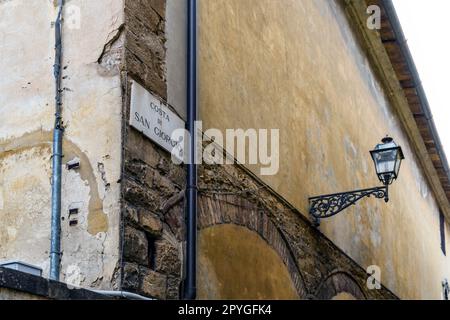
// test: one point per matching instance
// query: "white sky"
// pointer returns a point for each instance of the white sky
(426, 25)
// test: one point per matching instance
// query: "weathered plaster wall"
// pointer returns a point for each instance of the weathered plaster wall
(298, 67)
(176, 55)
(92, 119)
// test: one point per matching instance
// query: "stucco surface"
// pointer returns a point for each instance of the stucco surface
(343, 296)
(92, 119)
(176, 55)
(236, 263)
(297, 66)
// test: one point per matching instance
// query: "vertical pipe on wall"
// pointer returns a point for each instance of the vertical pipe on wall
(190, 285)
(55, 246)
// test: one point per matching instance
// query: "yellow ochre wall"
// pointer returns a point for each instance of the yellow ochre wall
(236, 262)
(297, 66)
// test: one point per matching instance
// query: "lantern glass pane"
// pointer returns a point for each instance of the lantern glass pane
(397, 164)
(385, 161)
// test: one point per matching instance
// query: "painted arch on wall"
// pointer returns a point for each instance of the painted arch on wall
(243, 255)
(340, 285)
(236, 263)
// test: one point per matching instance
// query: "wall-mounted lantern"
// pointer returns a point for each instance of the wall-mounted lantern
(387, 157)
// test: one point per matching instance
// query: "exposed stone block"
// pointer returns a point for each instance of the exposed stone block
(143, 15)
(167, 258)
(150, 77)
(153, 284)
(141, 148)
(135, 246)
(173, 288)
(149, 48)
(175, 219)
(131, 279)
(136, 168)
(177, 175)
(150, 222)
(131, 215)
(163, 185)
(159, 6)
(139, 195)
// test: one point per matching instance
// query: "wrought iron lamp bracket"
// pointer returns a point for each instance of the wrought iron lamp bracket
(329, 205)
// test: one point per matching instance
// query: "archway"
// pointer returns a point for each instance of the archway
(340, 286)
(236, 263)
(232, 230)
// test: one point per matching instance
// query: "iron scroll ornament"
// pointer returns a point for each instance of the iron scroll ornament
(329, 205)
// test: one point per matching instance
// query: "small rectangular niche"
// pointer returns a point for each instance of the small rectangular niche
(73, 164)
(73, 216)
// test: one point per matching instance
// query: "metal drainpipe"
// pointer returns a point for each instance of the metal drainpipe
(400, 37)
(122, 294)
(190, 285)
(55, 248)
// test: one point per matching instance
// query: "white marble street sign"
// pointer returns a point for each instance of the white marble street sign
(155, 120)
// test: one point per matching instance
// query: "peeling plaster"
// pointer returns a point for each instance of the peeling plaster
(80, 184)
(97, 218)
(110, 59)
(1, 199)
(73, 276)
(92, 106)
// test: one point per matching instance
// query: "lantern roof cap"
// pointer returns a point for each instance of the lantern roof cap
(388, 143)
(387, 139)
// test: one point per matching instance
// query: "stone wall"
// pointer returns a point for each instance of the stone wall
(151, 184)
